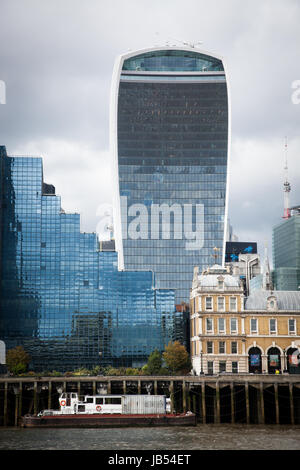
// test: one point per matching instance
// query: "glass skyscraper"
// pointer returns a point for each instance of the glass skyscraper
(62, 295)
(286, 253)
(169, 138)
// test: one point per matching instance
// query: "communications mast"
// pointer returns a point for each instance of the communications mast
(286, 188)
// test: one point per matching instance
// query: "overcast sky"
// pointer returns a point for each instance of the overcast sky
(57, 57)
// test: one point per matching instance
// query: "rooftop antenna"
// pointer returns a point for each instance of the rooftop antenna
(286, 188)
(188, 43)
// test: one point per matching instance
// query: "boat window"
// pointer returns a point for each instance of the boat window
(99, 401)
(73, 395)
(89, 400)
(64, 395)
(81, 408)
(113, 401)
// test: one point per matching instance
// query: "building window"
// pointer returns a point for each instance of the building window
(234, 347)
(233, 303)
(292, 326)
(221, 347)
(210, 367)
(221, 303)
(222, 366)
(210, 348)
(253, 325)
(233, 325)
(273, 326)
(208, 303)
(221, 325)
(194, 326)
(209, 325)
(235, 367)
(220, 284)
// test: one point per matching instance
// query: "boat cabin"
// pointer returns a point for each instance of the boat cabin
(71, 403)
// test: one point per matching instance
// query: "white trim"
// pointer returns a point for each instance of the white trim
(233, 297)
(221, 309)
(254, 345)
(274, 332)
(113, 135)
(179, 73)
(209, 332)
(253, 332)
(235, 332)
(212, 303)
(274, 345)
(292, 333)
(222, 332)
(228, 157)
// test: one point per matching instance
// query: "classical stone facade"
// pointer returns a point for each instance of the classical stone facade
(230, 333)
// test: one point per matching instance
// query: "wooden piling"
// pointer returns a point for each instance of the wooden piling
(35, 398)
(49, 394)
(292, 404)
(171, 391)
(218, 405)
(262, 403)
(276, 402)
(203, 403)
(16, 408)
(232, 403)
(5, 404)
(247, 403)
(184, 396)
(20, 399)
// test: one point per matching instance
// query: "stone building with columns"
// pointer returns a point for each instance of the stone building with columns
(272, 325)
(236, 334)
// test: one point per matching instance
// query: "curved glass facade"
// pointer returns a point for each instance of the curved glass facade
(62, 296)
(173, 61)
(172, 140)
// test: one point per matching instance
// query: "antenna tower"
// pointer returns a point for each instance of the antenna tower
(286, 188)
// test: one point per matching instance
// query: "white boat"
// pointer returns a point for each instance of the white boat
(72, 404)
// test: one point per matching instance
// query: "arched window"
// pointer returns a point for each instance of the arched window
(254, 360)
(293, 360)
(274, 362)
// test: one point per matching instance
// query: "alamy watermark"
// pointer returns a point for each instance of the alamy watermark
(159, 221)
(2, 92)
(296, 94)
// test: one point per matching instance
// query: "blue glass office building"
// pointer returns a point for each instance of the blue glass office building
(62, 295)
(170, 138)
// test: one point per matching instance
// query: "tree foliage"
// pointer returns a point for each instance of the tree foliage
(154, 363)
(176, 358)
(17, 360)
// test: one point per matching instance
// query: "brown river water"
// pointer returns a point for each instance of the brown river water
(201, 437)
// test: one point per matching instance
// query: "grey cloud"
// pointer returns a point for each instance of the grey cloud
(57, 57)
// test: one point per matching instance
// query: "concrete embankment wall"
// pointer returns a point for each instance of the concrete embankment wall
(249, 399)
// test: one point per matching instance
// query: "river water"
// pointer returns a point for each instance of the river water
(201, 437)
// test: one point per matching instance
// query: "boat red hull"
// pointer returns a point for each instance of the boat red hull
(108, 420)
